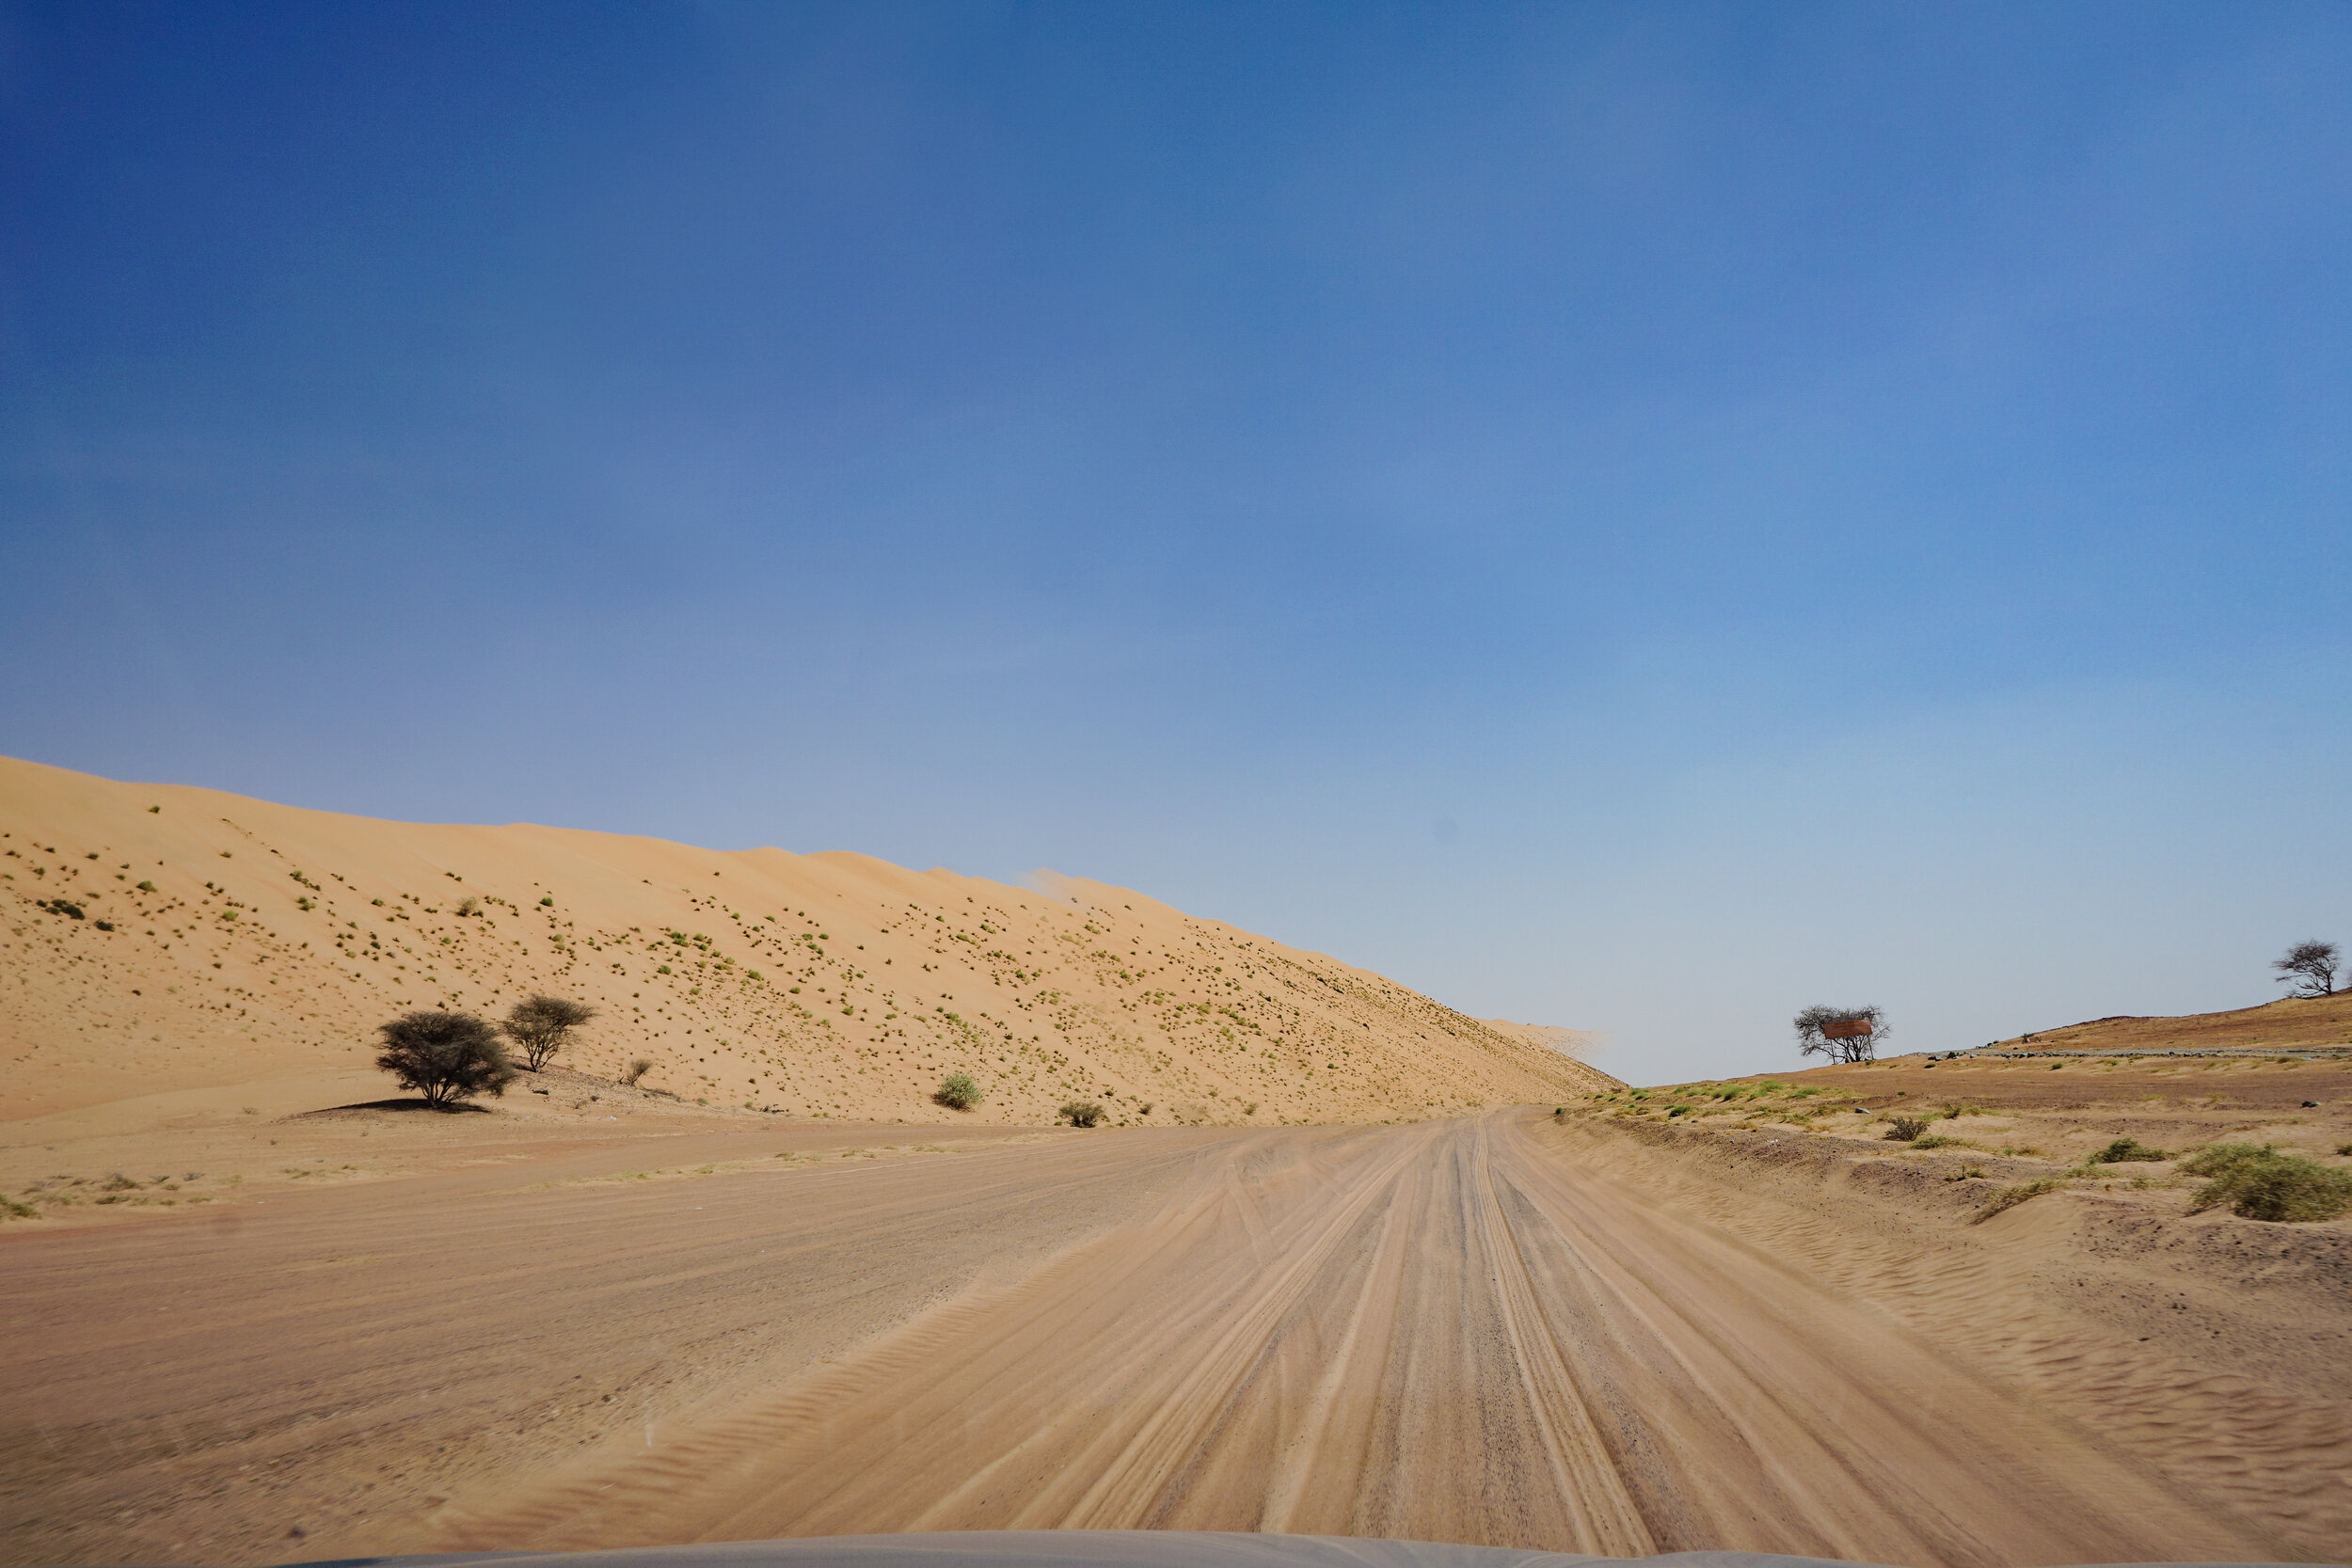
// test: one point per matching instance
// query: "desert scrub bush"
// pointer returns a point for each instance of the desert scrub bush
(1936, 1140)
(2009, 1197)
(2261, 1182)
(2126, 1149)
(1903, 1129)
(959, 1091)
(444, 1056)
(637, 1069)
(541, 1024)
(1082, 1112)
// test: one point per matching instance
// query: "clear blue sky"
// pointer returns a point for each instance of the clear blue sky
(1638, 517)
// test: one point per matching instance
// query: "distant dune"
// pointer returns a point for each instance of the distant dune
(225, 941)
(2290, 1024)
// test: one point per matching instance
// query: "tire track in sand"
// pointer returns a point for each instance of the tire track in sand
(1441, 1332)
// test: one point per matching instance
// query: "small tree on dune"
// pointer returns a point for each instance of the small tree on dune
(1842, 1034)
(2309, 967)
(445, 1056)
(541, 1025)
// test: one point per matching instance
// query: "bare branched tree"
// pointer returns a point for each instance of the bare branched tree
(1842, 1034)
(541, 1024)
(2309, 967)
(445, 1056)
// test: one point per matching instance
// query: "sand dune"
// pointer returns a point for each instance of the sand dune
(2289, 1023)
(255, 941)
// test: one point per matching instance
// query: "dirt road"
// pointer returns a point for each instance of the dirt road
(1451, 1331)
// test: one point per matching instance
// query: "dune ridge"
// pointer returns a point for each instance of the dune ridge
(168, 937)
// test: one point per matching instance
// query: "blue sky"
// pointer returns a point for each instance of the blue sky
(1642, 518)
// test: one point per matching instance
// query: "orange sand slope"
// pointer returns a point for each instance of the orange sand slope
(2309, 1023)
(225, 941)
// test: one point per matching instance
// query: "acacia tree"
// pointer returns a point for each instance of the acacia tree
(445, 1056)
(541, 1025)
(2309, 967)
(1842, 1034)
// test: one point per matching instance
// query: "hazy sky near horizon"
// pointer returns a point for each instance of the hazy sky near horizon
(1642, 518)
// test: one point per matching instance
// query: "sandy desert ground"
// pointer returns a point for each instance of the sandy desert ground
(525, 1328)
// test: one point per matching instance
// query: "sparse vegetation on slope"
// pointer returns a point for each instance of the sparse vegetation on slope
(255, 940)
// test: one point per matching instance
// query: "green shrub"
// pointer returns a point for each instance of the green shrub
(2261, 1182)
(1934, 1140)
(1082, 1112)
(1905, 1129)
(957, 1091)
(2123, 1149)
(2009, 1197)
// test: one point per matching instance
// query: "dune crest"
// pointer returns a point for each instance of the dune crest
(164, 937)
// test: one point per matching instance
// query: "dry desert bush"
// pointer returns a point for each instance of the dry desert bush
(447, 1057)
(2261, 1182)
(2009, 1197)
(541, 1025)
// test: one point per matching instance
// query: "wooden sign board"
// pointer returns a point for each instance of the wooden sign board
(1847, 1029)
